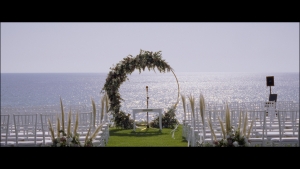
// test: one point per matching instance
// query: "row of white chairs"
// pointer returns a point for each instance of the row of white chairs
(275, 124)
(32, 129)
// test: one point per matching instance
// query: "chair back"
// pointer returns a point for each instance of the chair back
(45, 127)
(85, 121)
(25, 127)
(4, 129)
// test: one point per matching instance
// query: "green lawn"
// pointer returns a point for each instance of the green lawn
(146, 137)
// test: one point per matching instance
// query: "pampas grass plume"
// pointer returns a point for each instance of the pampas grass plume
(58, 127)
(211, 129)
(51, 130)
(87, 136)
(183, 105)
(94, 112)
(76, 124)
(240, 120)
(62, 116)
(228, 121)
(69, 125)
(249, 131)
(222, 127)
(202, 107)
(102, 107)
(192, 102)
(245, 124)
(96, 131)
(106, 103)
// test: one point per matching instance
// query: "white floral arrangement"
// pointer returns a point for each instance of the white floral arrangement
(232, 136)
(66, 141)
(233, 139)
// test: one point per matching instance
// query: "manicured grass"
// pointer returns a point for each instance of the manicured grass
(146, 137)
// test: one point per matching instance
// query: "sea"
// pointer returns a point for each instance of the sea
(28, 92)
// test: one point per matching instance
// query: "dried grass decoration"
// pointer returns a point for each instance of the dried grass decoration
(118, 75)
(69, 139)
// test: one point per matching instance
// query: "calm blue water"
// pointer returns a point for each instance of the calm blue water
(24, 90)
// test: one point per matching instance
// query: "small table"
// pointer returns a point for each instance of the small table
(157, 110)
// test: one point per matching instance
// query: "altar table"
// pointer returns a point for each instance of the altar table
(157, 110)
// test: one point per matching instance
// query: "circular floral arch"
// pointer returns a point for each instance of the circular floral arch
(118, 75)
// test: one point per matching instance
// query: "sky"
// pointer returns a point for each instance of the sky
(94, 47)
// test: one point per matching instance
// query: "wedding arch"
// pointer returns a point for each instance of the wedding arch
(118, 75)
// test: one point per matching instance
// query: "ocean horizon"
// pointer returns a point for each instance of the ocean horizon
(21, 92)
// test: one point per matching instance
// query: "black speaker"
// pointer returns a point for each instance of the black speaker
(273, 97)
(270, 80)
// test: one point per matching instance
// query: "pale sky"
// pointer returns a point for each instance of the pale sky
(94, 47)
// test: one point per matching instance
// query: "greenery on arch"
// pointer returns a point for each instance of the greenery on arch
(118, 75)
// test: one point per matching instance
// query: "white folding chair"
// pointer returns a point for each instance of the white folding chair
(25, 130)
(4, 129)
(288, 134)
(258, 136)
(47, 140)
(105, 128)
(235, 112)
(102, 137)
(185, 122)
(191, 126)
(213, 115)
(6, 140)
(284, 105)
(84, 123)
(198, 133)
